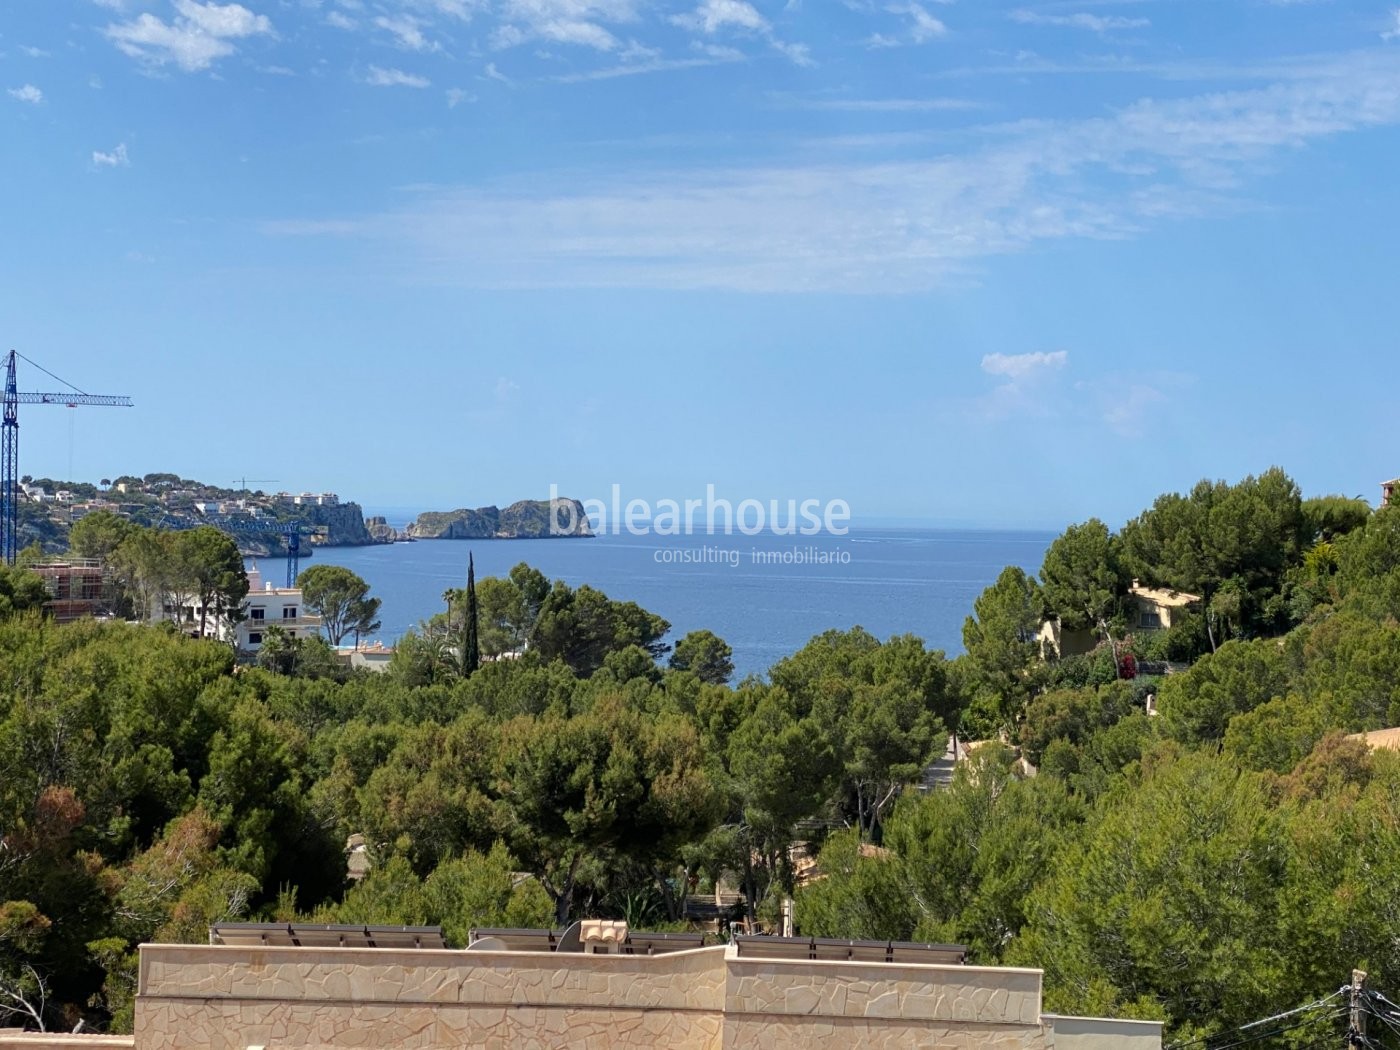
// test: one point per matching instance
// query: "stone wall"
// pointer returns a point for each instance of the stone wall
(198, 997)
(221, 998)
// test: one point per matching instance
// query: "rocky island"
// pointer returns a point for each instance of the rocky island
(524, 520)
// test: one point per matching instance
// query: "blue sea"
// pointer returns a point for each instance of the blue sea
(766, 595)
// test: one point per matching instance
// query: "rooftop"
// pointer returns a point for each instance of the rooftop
(1163, 596)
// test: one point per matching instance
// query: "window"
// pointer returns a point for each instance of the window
(257, 614)
(289, 612)
(254, 638)
(1150, 620)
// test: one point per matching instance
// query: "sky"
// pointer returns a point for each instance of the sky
(996, 264)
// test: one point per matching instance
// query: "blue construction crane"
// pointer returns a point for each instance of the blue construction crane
(9, 444)
(293, 530)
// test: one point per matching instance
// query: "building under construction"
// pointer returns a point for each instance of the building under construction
(78, 587)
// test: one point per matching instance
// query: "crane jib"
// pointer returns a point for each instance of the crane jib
(70, 400)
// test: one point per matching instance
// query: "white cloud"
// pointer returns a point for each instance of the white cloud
(337, 20)
(1017, 367)
(887, 226)
(714, 15)
(28, 93)
(1029, 386)
(924, 27)
(1083, 20)
(379, 77)
(576, 22)
(34, 52)
(199, 34)
(407, 31)
(505, 388)
(117, 158)
(719, 52)
(1394, 31)
(656, 65)
(456, 96)
(797, 54)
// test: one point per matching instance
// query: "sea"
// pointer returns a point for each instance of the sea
(766, 595)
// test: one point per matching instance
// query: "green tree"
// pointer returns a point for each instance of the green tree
(1170, 902)
(1245, 535)
(484, 890)
(1000, 639)
(20, 590)
(210, 569)
(471, 649)
(581, 626)
(1197, 705)
(611, 781)
(1081, 581)
(341, 598)
(704, 654)
(860, 894)
(99, 534)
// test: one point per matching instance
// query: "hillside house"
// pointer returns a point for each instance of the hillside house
(1156, 608)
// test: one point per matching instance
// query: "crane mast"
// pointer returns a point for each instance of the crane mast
(9, 446)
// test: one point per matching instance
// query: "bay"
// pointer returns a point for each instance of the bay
(766, 595)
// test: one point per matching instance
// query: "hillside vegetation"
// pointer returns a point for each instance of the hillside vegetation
(1230, 857)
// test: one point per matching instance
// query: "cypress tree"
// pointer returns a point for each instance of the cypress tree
(471, 651)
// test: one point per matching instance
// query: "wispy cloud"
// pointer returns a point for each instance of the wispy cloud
(28, 93)
(407, 32)
(1081, 20)
(1020, 366)
(714, 17)
(630, 69)
(919, 27)
(1028, 386)
(881, 227)
(34, 52)
(380, 77)
(198, 35)
(1394, 31)
(884, 105)
(116, 158)
(574, 22)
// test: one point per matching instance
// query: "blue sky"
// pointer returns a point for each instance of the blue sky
(994, 263)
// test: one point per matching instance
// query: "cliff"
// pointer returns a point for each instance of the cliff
(346, 523)
(380, 530)
(527, 519)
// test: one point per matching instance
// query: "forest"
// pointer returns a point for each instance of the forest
(1228, 855)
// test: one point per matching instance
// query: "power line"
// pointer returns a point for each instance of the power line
(1206, 1041)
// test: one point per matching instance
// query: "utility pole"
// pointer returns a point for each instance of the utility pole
(1356, 1032)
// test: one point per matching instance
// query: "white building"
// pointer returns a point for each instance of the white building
(309, 499)
(265, 606)
(268, 606)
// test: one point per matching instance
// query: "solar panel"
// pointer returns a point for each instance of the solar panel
(833, 949)
(661, 943)
(517, 940)
(299, 935)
